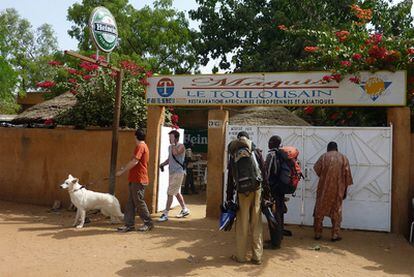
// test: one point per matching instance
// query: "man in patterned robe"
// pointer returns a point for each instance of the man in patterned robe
(334, 178)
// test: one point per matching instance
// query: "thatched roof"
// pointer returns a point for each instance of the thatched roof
(268, 116)
(7, 117)
(45, 110)
(244, 116)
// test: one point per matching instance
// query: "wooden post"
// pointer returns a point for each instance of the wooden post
(155, 119)
(401, 150)
(115, 133)
(215, 157)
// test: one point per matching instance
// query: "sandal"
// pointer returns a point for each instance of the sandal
(234, 258)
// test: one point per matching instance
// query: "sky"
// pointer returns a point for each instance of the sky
(54, 12)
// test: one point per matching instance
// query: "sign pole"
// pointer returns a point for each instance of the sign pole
(115, 133)
(104, 34)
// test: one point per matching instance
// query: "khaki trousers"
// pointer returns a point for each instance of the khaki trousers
(249, 217)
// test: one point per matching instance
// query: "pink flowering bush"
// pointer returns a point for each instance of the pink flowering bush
(350, 51)
(94, 89)
(347, 52)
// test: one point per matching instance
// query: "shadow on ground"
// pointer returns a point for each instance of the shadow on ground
(196, 238)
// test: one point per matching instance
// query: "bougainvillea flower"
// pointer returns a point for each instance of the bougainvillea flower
(337, 77)
(392, 56)
(87, 77)
(174, 118)
(377, 52)
(356, 56)
(72, 71)
(100, 58)
(89, 66)
(342, 35)
(282, 27)
(376, 38)
(355, 80)
(46, 84)
(54, 63)
(48, 121)
(363, 14)
(311, 48)
(327, 78)
(370, 60)
(309, 110)
(144, 82)
(334, 116)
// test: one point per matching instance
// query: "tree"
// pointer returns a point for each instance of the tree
(254, 32)
(159, 37)
(249, 31)
(24, 49)
(7, 82)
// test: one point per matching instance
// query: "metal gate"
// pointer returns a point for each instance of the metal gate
(369, 150)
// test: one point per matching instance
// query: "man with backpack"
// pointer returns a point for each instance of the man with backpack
(247, 176)
(175, 162)
(284, 173)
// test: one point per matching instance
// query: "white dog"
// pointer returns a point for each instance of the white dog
(85, 200)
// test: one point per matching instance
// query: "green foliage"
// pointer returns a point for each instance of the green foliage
(94, 88)
(7, 82)
(24, 54)
(26, 49)
(254, 33)
(159, 37)
(248, 30)
(357, 48)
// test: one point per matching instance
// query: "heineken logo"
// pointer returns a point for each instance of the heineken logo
(104, 31)
(105, 28)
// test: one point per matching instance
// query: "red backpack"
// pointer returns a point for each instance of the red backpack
(289, 171)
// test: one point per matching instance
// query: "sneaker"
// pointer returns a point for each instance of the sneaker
(163, 218)
(145, 228)
(125, 229)
(183, 213)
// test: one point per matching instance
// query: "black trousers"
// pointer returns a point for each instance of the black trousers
(135, 203)
(276, 232)
(189, 181)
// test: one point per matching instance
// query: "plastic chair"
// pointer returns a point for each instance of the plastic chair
(412, 223)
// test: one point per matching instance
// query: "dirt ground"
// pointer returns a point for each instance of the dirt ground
(37, 242)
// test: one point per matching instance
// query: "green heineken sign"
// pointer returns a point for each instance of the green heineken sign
(198, 138)
(103, 29)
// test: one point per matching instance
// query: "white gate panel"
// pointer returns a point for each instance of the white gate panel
(369, 150)
(368, 204)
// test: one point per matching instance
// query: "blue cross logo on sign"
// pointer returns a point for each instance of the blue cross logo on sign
(165, 87)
